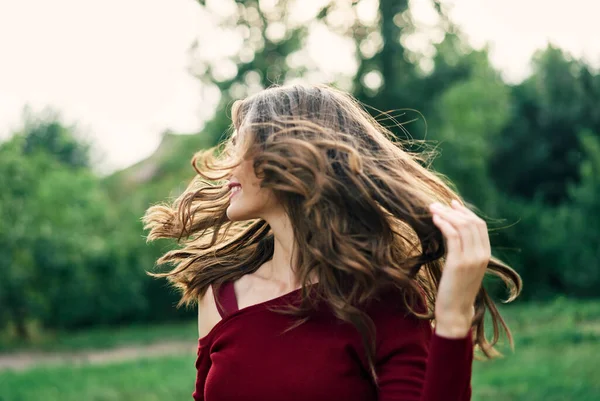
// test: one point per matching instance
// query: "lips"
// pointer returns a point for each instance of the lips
(234, 188)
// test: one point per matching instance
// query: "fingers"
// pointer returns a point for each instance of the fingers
(459, 222)
(483, 239)
(467, 226)
(477, 226)
(453, 241)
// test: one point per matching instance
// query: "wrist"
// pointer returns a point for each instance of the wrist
(453, 326)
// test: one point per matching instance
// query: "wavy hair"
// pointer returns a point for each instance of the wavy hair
(357, 200)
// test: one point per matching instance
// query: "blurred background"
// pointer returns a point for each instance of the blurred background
(103, 104)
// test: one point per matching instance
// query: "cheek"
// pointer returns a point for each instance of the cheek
(257, 195)
(250, 203)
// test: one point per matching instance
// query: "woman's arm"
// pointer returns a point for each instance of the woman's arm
(415, 364)
(208, 317)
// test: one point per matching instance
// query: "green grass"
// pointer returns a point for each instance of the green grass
(161, 379)
(106, 337)
(541, 373)
(555, 358)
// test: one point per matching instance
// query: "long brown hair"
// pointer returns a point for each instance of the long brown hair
(357, 200)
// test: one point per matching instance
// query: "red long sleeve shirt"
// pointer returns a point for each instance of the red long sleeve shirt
(245, 357)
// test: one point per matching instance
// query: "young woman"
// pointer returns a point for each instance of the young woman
(327, 262)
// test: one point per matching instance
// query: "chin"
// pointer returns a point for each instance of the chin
(237, 213)
(242, 208)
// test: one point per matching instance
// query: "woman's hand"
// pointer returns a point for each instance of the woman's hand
(467, 255)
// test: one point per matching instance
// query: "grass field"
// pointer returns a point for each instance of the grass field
(105, 337)
(159, 379)
(555, 359)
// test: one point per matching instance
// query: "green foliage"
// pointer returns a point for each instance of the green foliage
(469, 116)
(573, 234)
(262, 61)
(555, 247)
(550, 109)
(70, 257)
(52, 219)
(46, 134)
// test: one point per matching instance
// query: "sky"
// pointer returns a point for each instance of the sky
(119, 68)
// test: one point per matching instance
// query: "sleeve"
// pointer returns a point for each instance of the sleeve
(203, 364)
(415, 364)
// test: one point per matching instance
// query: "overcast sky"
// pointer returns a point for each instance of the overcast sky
(119, 67)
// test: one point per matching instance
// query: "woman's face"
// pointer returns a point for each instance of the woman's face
(247, 200)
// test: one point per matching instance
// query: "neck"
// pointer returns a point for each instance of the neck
(281, 267)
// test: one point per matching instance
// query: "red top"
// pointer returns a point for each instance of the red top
(246, 358)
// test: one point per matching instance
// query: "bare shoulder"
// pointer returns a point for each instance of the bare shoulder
(208, 315)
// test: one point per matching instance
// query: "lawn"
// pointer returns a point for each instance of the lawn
(106, 337)
(161, 379)
(555, 358)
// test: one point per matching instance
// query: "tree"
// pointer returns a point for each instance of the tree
(468, 118)
(61, 264)
(572, 236)
(44, 132)
(539, 153)
(261, 60)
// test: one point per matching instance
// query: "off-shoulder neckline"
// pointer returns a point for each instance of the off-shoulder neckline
(203, 341)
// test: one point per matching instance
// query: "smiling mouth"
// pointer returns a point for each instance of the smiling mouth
(234, 188)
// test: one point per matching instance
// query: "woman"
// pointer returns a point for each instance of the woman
(330, 265)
